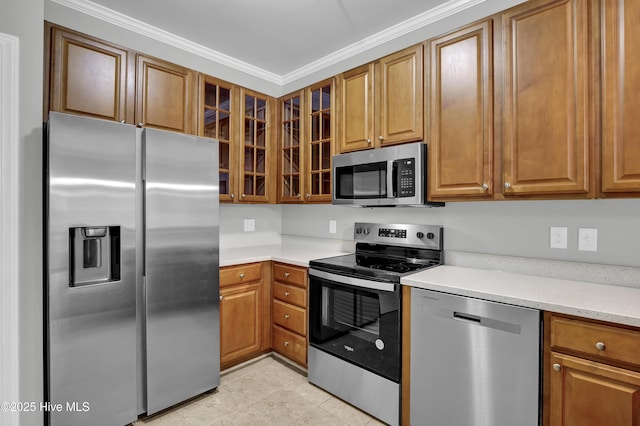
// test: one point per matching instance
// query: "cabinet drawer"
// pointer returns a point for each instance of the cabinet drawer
(231, 275)
(290, 294)
(290, 317)
(606, 342)
(290, 345)
(290, 274)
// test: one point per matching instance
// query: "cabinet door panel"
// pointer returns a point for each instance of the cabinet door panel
(164, 98)
(218, 119)
(621, 96)
(585, 393)
(88, 77)
(318, 152)
(257, 168)
(461, 114)
(291, 149)
(546, 139)
(356, 109)
(240, 322)
(400, 96)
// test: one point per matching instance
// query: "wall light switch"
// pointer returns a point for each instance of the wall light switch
(332, 226)
(558, 237)
(249, 225)
(588, 239)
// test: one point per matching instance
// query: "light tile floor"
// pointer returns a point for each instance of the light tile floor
(265, 392)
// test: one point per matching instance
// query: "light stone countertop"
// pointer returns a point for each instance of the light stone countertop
(294, 251)
(616, 304)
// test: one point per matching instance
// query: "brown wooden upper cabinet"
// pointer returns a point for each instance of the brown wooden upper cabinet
(164, 95)
(88, 77)
(306, 140)
(547, 98)
(257, 165)
(102, 80)
(460, 104)
(218, 113)
(382, 102)
(620, 97)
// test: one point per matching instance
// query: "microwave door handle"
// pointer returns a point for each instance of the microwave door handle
(392, 179)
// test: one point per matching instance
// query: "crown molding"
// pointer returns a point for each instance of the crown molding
(412, 24)
(406, 27)
(121, 20)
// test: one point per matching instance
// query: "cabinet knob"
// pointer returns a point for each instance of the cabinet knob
(485, 186)
(600, 346)
(286, 343)
(243, 195)
(298, 195)
(221, 297)
(286, 316)
(122, 121)
(507, 185)
(369, 141)
(140, 124)
(557, 367)
(380, 138)
(232, 195)
(308, 195)
(286, 274)
(286, 294)
(242, 275)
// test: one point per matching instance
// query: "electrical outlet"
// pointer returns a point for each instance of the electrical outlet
(332, 226)
(558, 237)
(249, 225)
(588, 239)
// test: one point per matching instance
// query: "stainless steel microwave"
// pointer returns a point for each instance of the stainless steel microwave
(390, 176)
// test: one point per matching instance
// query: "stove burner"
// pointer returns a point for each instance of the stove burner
(398, 267)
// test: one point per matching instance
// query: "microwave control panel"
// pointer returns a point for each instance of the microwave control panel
(406, 177)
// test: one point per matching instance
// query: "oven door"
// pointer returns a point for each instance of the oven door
(357, 320)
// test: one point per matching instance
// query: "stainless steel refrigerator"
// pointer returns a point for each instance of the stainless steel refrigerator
(131, 275)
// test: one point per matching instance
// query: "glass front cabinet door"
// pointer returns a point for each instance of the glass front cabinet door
(257, 165)
(306, 144)
(218, 121)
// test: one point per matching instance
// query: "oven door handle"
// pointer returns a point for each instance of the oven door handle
(357, 282)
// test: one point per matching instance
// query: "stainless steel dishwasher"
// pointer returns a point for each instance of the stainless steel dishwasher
(473, 362)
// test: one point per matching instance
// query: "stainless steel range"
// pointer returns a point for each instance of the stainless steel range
(355, 307)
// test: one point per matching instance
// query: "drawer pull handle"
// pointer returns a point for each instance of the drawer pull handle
(286, 294)
(557, 367)
(286, 316)
(286, 343)
(600, 346)
(241, 275)
(286, 274)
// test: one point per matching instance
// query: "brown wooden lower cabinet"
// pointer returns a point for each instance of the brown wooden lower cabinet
(587, 393)
(592, 372)
(245, 313)
(289, 344)
(254, 319)
(289, 333)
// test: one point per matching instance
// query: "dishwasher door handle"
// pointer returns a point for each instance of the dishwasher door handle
(467, 317)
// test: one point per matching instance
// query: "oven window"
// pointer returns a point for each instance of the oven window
(362, 181)
(359, 325)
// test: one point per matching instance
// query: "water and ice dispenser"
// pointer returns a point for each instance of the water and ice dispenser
(94, 254)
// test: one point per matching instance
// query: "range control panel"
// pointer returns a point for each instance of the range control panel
(392, 233)
(409, 235)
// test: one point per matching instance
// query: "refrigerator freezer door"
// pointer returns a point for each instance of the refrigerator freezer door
(90, 296)
(182, 289)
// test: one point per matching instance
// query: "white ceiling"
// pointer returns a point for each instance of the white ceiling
(274, 36)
